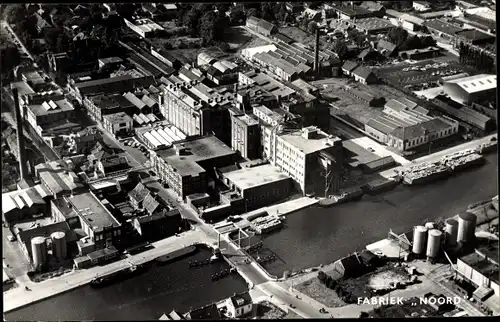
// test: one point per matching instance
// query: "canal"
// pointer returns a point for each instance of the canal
(315, 236)
(145, 297)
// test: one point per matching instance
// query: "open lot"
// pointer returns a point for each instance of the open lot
(339, 93)
(411, 308)
(133, 149)
(315, 290)
(298, 35)
(239, 38)
(422, 72)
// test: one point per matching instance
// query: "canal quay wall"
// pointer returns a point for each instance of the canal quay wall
(282, 209)
(20, 297)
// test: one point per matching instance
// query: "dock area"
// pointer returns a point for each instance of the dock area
(19, 297)
(284, 208)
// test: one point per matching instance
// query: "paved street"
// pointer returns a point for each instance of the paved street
(18, 297)
(13, 256)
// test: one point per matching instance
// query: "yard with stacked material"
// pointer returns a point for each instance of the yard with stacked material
(318, 291)
(267, 310)
(421, 72)
(383, 278)
(343, 94)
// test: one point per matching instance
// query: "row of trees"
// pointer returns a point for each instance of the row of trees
(404, 41)
(476, 57)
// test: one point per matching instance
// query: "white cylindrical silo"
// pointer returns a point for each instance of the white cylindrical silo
(38, 251)
(451, 231)
(429, 225)
(433, 243)
(59, 249)
(466, 227)
(419, 240)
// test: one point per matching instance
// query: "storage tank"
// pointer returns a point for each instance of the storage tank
(466, 227)
(59, 249)
(433, 243)
(38, 251)
(419, 240)
(451, 230)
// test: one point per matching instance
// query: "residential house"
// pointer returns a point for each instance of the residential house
(422, 6)
(261, 26)
(386, 48)
(111, 164)
(348, 67)
(158, 226)
(411, 22)
(174, 315)
(208, 312)
(41, 23)
(374, 6)
(364, 75)
(294, 7)
(137, 195)
(369, 54)
(239, 305)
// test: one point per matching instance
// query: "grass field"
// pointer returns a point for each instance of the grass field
(269, 311)
(314, 289)
(238, 39)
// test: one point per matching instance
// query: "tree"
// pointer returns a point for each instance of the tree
(10, 58)
(126, 10)
(339, 46)
(267, 11)
(282, 13)
(14, 13)
(238, 15)
(397, 35)
(253, 12)
(312, 26)
(212, 26)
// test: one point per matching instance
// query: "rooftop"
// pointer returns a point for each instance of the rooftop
(21, 199)
(63, 207)
(247, 119)
(442, 26)
(92, 211)
(246, 178)
(482, 265)
(353, 10)
(476, 83)
(197, 150)
(57, 176)
(118, 118)
(51, 107)
(307, 146)
(474, 35)
(491, 252)
(372, 24)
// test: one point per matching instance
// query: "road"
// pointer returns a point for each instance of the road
(16, 39)
(13, 256)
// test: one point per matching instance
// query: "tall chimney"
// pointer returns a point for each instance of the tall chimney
(20, 136)
(316, 54)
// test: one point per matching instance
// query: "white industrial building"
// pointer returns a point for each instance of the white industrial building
(469, 89)
(162, 136)
(144, 27)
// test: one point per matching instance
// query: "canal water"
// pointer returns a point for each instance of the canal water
(315, 236)
(145, 297)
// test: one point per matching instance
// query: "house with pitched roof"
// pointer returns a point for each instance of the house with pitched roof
(261, 26)
(158, 226)
(137, 195)
(348, 67)
(239, 305)
(386, 48)
(364, 75)
(208, 312)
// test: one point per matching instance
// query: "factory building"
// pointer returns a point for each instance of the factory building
(372, 26)
(442, 29)
(195, 108)
(57, 178)
(25, 204)
(158, 226)
(351, 12)
(468, 90)
(306, 155)
(52, 117)
(245, 135)
(481, 269)
(159, 137)
(118, 124)
(404, 125)
(144, 27)
(101, 228)
(419, 54)
(261, 26)
(259, 185)
(187, 166)
(98, 106)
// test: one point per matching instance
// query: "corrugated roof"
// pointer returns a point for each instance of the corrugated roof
(477, 83)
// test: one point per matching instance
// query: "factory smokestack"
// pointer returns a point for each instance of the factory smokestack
(23, 168)
(316, 54)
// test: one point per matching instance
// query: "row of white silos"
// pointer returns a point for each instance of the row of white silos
(39, 248)
(428, 240)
